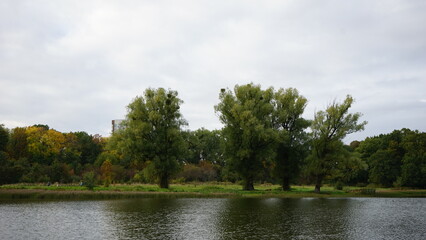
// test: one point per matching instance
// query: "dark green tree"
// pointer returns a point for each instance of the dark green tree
(413, 169)
(5, 164)
(192, 155)
(44, 126)
(4, 138)
(89, 146)
(291, 147)
(204, 145)
(385, 167)
(18, 144)
(329, 128)
(349, 169)
(153, 132)
(384, 154)
(248, 134)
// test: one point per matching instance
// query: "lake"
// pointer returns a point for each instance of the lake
(206, 218)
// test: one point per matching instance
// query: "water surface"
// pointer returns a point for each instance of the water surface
(306, 218)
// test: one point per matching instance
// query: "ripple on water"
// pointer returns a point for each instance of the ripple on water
(353, 218)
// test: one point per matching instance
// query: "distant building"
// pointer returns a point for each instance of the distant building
(117, 125)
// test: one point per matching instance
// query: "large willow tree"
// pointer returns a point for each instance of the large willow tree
(246, 114)
(153, 132)
(329, 128)
(289, 125)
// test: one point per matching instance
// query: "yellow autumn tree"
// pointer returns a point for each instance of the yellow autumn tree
(44, 146)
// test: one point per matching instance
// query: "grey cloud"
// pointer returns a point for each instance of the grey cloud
(77, 66)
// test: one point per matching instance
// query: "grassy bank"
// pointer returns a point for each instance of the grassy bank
(208, 190)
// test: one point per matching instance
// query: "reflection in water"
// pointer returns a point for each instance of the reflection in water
(167, 218)
(285, 218)
(356, 218)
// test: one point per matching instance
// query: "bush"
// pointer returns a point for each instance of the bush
(338, 185)
(191, 173)
(89, 180)
(202, 172)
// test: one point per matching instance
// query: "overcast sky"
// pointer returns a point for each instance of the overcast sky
(76, 65)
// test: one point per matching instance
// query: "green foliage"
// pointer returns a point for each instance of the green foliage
(88, 146)
(413, 169)
(112, 155)
(45, 127)
(41, 154)
(246, 114)
(89, 180)
(204, 144)
(329, 127)
(106, 173)
(384, 167)
(4, 138)
(291, 147)
(153, 132)
(18, 144)
(36, 173)
(338, 185)
(385, 156)
(59, 172)
(349, 168)
(148, 173)
(228, 175)
(263, 139)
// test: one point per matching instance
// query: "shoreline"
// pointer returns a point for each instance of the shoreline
(61, 194)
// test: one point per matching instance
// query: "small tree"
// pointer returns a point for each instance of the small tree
(89, 180)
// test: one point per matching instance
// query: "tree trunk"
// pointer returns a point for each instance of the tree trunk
(318, 184)
(286, 184)
(248, 185)
(164, 181)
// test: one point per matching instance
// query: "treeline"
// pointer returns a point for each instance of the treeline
(264, 139)
(396, 159)
(40, 154)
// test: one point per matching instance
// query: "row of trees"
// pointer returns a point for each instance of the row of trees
(41, 154)
(394, 159)
(265, 138)
(265, 127)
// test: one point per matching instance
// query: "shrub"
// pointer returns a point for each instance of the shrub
(338, 185)
(89, 180)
